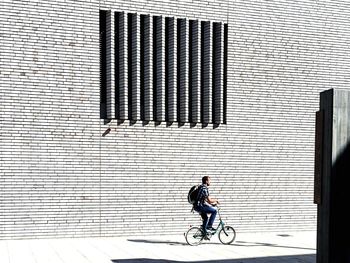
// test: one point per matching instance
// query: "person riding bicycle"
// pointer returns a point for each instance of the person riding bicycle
(205, 205)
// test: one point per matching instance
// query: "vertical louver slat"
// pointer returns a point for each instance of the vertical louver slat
(158, 69)
(146, 59)
(154, 66)
(190, 67)
(206, 72)
(130, 64)
(217, 72)
(103, 64)
(133, 67)
(182, 69)
(225, 73)
(110, 92)
(222, 67)
(170, 69)
(194, 72)
(136, 67)
(117, 63)
(122, 65)
(142, 66)
(166, 69)
(161, 84)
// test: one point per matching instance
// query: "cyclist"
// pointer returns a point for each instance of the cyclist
(205, 205)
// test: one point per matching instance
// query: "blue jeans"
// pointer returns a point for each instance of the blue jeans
(204, 210)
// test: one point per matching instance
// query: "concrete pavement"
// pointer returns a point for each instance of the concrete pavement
(281, 247)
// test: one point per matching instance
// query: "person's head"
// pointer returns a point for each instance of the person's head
(206, 180)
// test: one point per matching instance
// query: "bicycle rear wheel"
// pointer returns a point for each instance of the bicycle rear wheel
(194, 236)
(227, 235)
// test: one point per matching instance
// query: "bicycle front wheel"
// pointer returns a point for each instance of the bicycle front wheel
(227, 235)
(194, 236)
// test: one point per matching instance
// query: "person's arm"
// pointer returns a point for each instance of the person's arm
(212, 201)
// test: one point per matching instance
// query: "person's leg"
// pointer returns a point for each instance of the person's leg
(212, 218)
(201, 210)
(204, 225)
(212, 211)
(205, 220)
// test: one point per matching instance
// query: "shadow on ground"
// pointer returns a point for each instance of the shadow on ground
(236, 243)
(279, 259)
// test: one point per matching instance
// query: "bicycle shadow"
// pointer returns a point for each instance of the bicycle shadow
(172, 243)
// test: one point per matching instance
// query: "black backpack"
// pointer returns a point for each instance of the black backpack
(193, 194)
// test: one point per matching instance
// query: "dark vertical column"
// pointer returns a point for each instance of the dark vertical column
(326, 111)
(333, 227)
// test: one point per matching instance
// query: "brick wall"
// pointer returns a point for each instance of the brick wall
(61, 177)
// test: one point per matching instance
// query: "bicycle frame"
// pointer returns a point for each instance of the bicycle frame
(220, 226)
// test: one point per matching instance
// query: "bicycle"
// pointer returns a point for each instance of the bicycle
(195, 235)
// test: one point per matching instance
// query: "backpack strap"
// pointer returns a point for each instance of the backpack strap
(199, 192)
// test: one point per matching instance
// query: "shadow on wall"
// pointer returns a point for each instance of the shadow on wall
(340, 218)
(285, 259)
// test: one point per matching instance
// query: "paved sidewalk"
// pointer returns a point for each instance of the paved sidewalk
(296, 247)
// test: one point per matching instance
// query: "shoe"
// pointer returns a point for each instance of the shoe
(211, 229)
